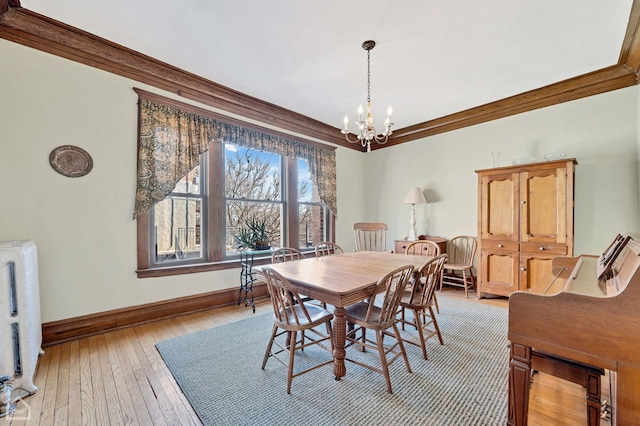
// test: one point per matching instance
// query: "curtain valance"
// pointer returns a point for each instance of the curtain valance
(171, 140)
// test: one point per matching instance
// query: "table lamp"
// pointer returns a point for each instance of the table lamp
(415, 196)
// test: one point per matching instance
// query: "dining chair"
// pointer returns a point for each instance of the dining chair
(293, 316)
(425, 248)
(379, 318)
(327, 248)
(419, 298)
(422, 248)
(458, 270)
(286, 254)
(370, 236)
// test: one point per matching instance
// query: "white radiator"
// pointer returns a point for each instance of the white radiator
(20, 324)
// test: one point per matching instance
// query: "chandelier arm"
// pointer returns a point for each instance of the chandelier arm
(356, 140)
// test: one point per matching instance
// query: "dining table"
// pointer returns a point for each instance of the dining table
(341, 280)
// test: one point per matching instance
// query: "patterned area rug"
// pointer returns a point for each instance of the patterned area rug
(463, 382)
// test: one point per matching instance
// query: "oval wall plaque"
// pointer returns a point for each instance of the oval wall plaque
(71, 161)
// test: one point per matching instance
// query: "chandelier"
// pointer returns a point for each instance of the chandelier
(366, 130)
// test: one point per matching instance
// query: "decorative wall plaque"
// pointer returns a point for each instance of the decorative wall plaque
(71, 161)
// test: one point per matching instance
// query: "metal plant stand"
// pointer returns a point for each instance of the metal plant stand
(245, 293)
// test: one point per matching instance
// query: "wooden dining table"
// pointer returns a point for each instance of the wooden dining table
(342, 280)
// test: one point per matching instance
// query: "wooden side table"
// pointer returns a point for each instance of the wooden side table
(401, 245)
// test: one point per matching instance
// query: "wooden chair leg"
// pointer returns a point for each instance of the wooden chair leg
(418, 318)
(464, 280)
(435, 325)
(401, 346)
(435, 301)
(292, 351)
(269, 346)
(383, 360)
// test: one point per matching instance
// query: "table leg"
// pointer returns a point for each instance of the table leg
(339, 337)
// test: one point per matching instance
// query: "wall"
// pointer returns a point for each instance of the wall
(87, 240)
(599, 131)
(82, 226)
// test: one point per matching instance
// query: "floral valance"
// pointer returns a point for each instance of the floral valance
(171, 140)
(322, 162)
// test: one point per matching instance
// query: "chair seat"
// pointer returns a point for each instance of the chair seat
(405, 302)
(357, 314)
(457, 266)
(317, 314)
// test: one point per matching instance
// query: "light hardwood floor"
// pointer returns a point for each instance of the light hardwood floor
(119, 378)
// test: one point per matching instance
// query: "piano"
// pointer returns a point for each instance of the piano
(582, 318)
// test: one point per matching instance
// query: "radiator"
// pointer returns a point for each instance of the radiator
(20, 324)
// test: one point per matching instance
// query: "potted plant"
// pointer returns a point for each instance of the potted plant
(254, 235)
(259, 230)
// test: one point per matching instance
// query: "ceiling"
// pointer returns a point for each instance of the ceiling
(432, 57)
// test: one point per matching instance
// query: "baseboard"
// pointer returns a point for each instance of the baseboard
(87, 325)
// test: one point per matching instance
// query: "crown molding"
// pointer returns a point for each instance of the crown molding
(40, 32)
(48, 35)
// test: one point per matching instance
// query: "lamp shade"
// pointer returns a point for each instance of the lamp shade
(415, 196)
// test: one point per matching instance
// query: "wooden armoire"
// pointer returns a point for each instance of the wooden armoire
(525, 219)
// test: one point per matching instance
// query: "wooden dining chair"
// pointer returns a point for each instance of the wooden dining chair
(286, 254)
(370, 236)
(458, 270)
(425, 248)
(419, 299)
(327, 248)
(293, 316)
(379, 318)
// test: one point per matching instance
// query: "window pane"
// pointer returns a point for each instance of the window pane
(306, 190)
(190, 183)
(240, 214)
(252, 174)
(178, 229)
(312, 225)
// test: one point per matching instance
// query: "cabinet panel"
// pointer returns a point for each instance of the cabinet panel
(499, 207)
(499, 272)
(533, 267)
(542, 206)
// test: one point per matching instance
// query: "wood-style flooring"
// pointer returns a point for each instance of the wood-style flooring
(119, 378)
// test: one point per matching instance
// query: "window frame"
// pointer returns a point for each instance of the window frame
(214, 227)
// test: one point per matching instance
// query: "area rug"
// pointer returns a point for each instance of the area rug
(463, 382)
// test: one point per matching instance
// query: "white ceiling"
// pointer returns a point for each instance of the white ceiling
(432, 57)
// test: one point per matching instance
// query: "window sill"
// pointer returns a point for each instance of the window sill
(193, 268)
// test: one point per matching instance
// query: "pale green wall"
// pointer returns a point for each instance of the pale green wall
(82, 226)
(599, 131)
(87, 240)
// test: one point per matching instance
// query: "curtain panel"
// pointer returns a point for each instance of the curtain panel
(171, 140)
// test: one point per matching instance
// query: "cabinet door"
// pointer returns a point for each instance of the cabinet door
(543, 206)
(498, 272)
(533, 267)
(499, 207)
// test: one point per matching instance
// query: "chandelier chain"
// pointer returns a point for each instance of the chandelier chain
(368, 76)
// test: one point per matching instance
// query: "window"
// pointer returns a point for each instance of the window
(197, 226)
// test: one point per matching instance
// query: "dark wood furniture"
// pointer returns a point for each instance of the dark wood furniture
(401, 245)
(573, 325)
(342, 281)
(525, 219)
